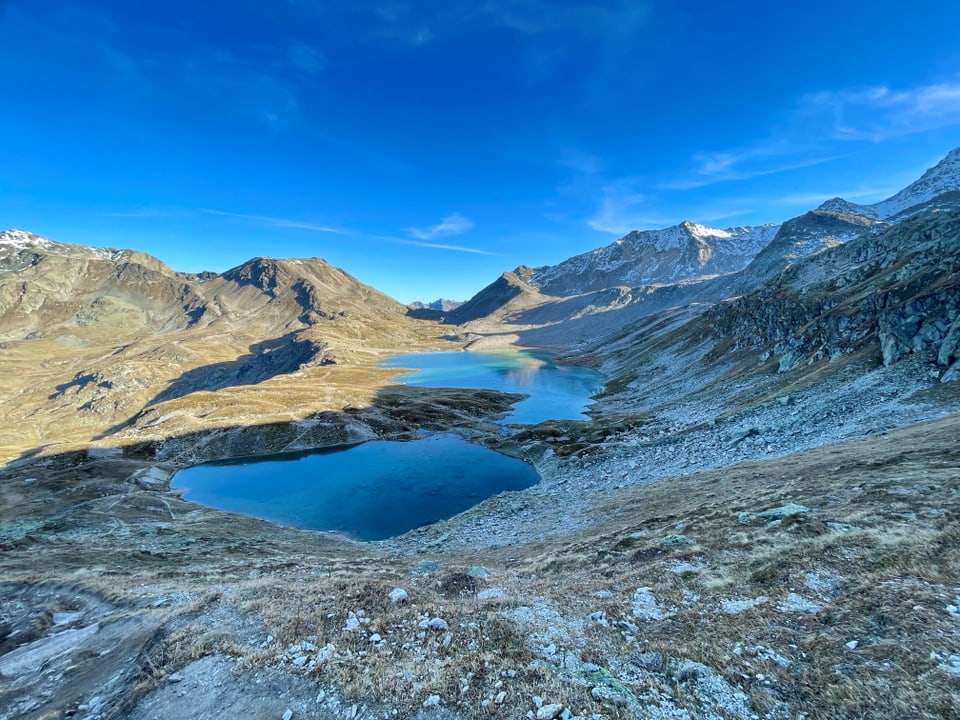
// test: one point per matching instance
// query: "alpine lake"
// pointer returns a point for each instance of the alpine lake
(381, 489)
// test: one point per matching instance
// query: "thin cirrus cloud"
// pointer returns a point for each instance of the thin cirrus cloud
(278, 222)
(821, 124)
(444, 246)
(623, 208)
(815, 198)
(744, 164)
(455, 224)
(286, 223)
(879, 113)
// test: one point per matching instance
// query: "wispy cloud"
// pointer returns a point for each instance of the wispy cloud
(822, 126)
(286, 223)
(744, 164)
(306, 58)
(815, 198)
(279, 222)
(455, 224)
(879, 113)
(624, 208)
(443, 246)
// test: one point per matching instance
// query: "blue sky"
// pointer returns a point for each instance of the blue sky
(425, 147)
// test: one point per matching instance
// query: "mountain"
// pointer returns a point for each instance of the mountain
(684, 252)
(512, 289)
(832, 323)
(943, 178)
(441, 305)
(650, 271)
(124, 341)
(801, 237)
(48, 286)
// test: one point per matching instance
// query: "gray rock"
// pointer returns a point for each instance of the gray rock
(491, 594)
(779, 513)
(398, 595)
(606, 695)
(549, 712)
(424, 567)
(434, 624)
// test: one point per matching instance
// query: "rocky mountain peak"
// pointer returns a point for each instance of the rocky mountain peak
(649, 257)
(440, 305)
(18, 237)
(944, 177)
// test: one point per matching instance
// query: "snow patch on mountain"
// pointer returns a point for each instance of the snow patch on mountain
(683, 252)
(21, 240)
(943, 177)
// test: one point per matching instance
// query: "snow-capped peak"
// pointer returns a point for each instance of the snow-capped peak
(682, 252)
(20, 239)
(941, 178)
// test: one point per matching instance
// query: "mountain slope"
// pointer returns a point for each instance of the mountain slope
(801, 237)
(684, 252)
(944, 177)
(46, 287)
(689, 264)
(855, 308)
(125, 340)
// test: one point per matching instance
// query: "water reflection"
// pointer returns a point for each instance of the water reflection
(557, 392)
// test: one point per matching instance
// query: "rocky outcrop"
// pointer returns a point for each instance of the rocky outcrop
(899, 289)
(928, 191)
(801, 237)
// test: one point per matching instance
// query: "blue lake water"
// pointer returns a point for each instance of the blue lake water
(557, 392)
(371, 491)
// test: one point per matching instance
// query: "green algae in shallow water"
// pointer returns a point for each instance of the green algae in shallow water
(371, 491)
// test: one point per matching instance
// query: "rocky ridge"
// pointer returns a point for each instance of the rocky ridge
(590, 298)
(685, 252)
(48, 287)
(944, 177)
(440, 305)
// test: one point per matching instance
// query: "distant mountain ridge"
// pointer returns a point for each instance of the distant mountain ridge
(942, 178)
(711, 262)
(46, 285)
(644, 257)
(440, 305)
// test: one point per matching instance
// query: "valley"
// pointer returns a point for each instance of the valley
(758, 519)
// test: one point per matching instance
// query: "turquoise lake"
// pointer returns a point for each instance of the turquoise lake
(371, 491)
(381, 489)
(557, 392)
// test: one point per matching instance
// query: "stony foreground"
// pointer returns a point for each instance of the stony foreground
(819, 584)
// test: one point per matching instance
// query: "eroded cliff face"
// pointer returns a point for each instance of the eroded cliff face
(899, 289)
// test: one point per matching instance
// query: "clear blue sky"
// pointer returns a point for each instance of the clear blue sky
(425, 147)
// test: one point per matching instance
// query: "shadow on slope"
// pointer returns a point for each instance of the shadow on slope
(267, 359)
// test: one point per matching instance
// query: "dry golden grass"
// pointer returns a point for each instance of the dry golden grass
(882, 539)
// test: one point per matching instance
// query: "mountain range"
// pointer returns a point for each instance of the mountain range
(142, 334)
(769, 468)
(657, 269)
